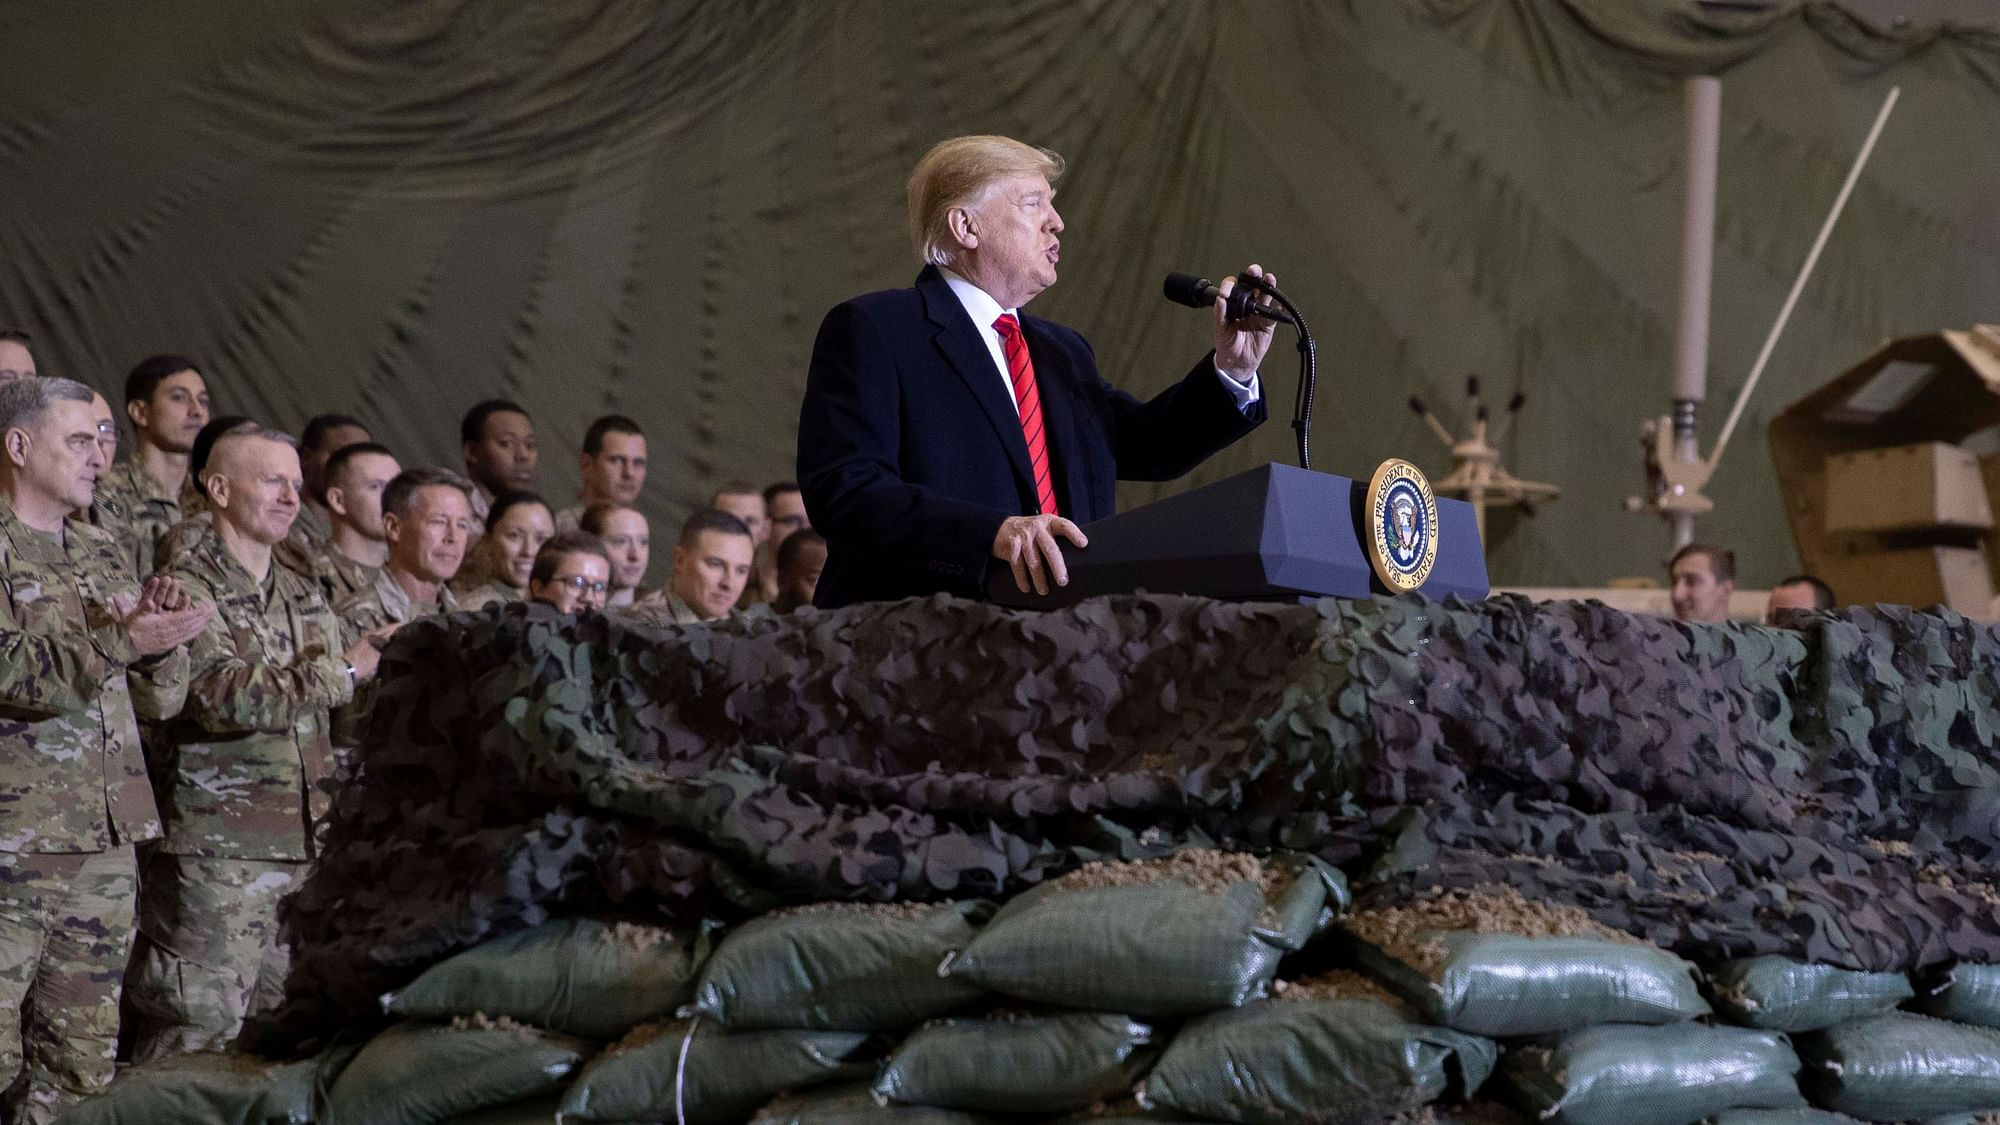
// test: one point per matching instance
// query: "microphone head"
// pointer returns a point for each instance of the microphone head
(1417, 406)
(1187, 289)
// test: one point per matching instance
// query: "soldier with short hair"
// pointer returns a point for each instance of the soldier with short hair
(427, 518)
(85, 649)
(324, 435)
(245, 773)
(356, 478)
(167, 401)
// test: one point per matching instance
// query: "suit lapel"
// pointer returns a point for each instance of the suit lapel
(1055, 383)
(965, 350)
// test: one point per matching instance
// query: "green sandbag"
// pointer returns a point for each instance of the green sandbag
(418, 1073)
(534, 1111)
(1783, 1117)
(1313, 1062)
(574, 975)
(1902, 1066)
(857, 1105)
(1963, 993)
(1472, 1113)
(209, 1088)
(1030, 1064)
(841, 967)
(1781, 994)
(1151, 949)
(1503, 984)
(694, 1072)
(1625, 1074)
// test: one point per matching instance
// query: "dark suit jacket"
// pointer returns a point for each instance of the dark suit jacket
(911, 454)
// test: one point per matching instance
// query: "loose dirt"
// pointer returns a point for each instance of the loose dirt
(1340, 984)
(1409, 933)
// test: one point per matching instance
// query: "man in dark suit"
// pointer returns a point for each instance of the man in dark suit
(941, 429)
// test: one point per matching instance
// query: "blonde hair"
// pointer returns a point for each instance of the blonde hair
(954, 173)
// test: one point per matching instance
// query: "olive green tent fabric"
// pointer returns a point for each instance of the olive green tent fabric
(401, 208)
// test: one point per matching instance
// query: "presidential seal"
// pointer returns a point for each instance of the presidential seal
(1402, 528)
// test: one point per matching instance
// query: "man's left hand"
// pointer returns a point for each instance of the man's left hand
(1240, 344)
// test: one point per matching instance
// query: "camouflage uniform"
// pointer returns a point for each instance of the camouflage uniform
(145, 510)
(312, 530)
(245, 777)
(663, 607)
(290, 552)
(385, 603)
(570, 519)
(74, 801)
(491, 593)
(342, 578)
(382, 603)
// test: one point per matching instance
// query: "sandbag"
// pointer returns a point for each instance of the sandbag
(1963, 993)
(1902, 1066)
(1180, 936)
(1312, 1062)
(1492, 963)
(695, 1072)
(1625, 1074)
(574, 975)
(1781, 994)
(420, 1073)
(1783, 1117)
(534, 1111)
(1029, 1063)
(839, 966)
(857, 1105)
(1471, 1113)
(211, 1088)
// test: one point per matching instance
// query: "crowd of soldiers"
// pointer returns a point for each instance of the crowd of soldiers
(187, 642)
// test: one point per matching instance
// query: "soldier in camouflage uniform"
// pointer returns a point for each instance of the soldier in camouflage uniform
(84, 650)
(245, 772)
(143, 495)
(324, 436)
(427, 516)
(356, 477)
(714, 561)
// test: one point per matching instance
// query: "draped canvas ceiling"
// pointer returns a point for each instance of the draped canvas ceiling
(399, 208)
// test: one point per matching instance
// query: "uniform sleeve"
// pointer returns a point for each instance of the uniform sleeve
(359, 616)
(42, 676)
(227, 694)
(159, 686)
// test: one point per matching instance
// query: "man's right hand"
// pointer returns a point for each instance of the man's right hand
(1028, 544)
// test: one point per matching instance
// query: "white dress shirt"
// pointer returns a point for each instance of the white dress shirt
(984, 310)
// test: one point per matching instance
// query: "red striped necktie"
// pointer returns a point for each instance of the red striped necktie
(1021, 371)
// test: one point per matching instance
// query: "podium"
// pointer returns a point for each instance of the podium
(1275, 533)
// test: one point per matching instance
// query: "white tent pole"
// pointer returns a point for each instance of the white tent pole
(1805, 272)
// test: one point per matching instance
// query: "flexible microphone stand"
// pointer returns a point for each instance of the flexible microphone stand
(1302, 405)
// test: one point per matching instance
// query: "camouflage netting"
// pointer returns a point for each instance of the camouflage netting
(1826, 791)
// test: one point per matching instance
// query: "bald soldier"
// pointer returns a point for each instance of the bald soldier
(245, 773)
(84, 650)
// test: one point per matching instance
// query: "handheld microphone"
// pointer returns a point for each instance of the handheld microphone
(1200, 293)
